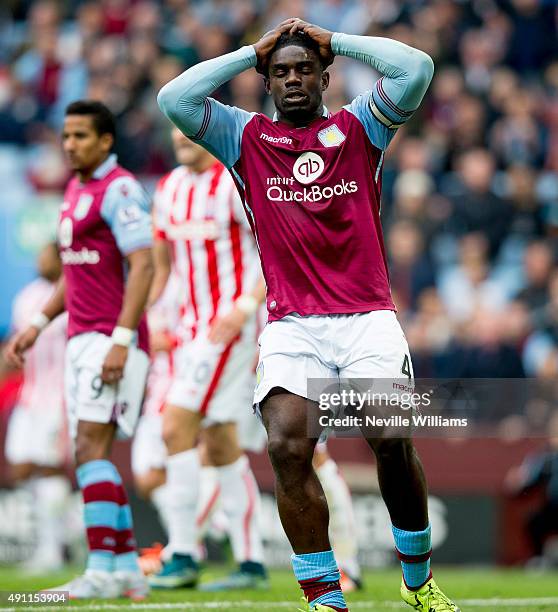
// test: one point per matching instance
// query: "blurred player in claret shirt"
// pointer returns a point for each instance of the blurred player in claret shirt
(310, 183)
(37, 447)
(105, 237)
(202, 236)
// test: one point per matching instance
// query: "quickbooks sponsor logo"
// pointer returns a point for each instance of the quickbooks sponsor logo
(77, 258)
(308, 167)
(277, 193)
(276, 139)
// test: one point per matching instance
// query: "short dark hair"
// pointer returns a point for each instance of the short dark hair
(103, 119)
(298, 39)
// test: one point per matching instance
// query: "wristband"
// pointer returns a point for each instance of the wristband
(39, 320)
(122, 336)
(248, 304)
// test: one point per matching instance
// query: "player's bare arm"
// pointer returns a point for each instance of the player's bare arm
(140, 276)
(23, 341)
(162, 270)
(226, 328)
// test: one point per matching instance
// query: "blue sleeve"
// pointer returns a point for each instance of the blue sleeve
(186, 102)
(380, 135)
(406, 75)
(126, 210)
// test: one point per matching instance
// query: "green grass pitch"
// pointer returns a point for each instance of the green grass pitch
(479, 589)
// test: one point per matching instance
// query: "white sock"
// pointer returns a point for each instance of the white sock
(208, 500)
(240, 499)
(183, 482)
(52, 494)
(160, 499)
(342, 526)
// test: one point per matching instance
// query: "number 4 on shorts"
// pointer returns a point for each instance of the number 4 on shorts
(406, 367)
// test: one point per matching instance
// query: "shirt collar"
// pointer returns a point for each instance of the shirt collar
(109, 164)
(325, 113)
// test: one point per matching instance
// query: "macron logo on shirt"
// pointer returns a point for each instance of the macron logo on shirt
(276, 139)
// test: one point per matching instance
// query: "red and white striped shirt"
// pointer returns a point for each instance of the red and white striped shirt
(43, 371)
(213, 250)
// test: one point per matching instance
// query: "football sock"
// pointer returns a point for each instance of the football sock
(414, 549)
(99, 482)
(318, 577)
(183, 482)
(208, 498)
(126, 559)
(342, 525)
(160, 499)
(52, 496)
(240, 499)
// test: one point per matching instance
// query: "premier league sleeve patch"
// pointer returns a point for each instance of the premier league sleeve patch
(331, 136)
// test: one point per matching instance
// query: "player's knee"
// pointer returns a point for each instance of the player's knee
(292, 456)
(222, 455)
(179, 430)
(89, 449)
(20, 472)
(143, 487)
(171, 436)
(221, 444)
(177, 439)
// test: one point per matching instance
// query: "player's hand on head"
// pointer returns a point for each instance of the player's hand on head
(265, 45)
(319, 35)
(113, 366)
(225, 329)
(13, 353)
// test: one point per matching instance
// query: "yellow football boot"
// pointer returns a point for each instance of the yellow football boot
(429, 598)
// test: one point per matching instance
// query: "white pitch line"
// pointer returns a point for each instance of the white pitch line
(271, 605)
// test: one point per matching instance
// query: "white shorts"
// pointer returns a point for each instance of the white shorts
(37, 436)
(252, 435)
(148, 449)
(294, 349)
(212, 379)
(87, 399)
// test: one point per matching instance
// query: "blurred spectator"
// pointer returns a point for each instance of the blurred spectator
(467, 286)
(483, 352)
(475, 206)
(410, 271)
(538, 261)
(533, 39)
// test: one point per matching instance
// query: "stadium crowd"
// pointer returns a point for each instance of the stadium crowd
(470, 204)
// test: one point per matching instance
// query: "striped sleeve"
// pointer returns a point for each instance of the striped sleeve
(186, 102)
(406, 74)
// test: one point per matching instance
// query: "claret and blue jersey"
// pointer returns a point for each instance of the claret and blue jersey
(312, 193)
(101, 221)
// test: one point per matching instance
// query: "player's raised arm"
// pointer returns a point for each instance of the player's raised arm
(406, 71)
(406, 74)
(185, 100)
